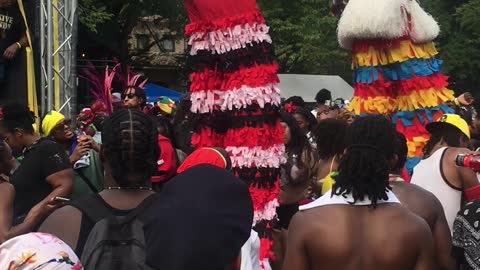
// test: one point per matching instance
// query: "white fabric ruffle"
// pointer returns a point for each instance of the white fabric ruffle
(265, 264)
(385, 19)
(223, 41)
(259, 157)
(268, 213)
(207, 101)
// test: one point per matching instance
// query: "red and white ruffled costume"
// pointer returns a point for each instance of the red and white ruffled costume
(235, 99)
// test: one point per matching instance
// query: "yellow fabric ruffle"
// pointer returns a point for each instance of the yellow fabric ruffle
(424, 99)
(415, 147)
(416, 100)
(372, 105)
(407, 50)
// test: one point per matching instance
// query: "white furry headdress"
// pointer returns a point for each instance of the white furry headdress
(385, 19)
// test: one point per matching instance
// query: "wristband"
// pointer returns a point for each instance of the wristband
(19, 45)
(457, 102)
(472, 193)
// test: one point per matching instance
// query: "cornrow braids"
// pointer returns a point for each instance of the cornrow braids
(130, 145)
(364, 169)
(17, 116)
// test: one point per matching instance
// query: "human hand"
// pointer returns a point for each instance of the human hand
(466, 99)
(11, 51)
(88, 140)
(81, 150)
(42, 210)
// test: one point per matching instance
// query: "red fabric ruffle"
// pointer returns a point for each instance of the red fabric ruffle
(393, 89)
(262, 196)
(377, 44)
(266, 249)
(418, 128)
(265, 136)
(205, 22)
(255, 76)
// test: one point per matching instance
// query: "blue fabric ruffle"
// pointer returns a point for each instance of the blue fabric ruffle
(407, 117)
(411, 163)
(398, 71)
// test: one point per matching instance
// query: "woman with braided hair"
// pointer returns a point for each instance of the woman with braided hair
(129, 154)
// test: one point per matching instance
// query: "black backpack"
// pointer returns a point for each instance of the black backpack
(115, 242)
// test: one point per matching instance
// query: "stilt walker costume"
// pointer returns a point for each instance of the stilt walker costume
(395, 69)
(235, 99)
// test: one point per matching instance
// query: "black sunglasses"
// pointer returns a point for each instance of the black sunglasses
(130, 96)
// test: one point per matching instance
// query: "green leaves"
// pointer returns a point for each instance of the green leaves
(92, 14)
(305, 37)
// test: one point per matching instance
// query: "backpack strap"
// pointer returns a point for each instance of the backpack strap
(139, 210)
(92, 206)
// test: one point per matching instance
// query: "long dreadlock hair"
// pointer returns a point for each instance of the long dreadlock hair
(446, 132)
(364, 169)
(130, 147)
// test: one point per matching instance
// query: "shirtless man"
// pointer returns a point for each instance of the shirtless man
(425, 205)
(360, 224)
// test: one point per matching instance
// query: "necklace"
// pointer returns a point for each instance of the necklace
(130, 188)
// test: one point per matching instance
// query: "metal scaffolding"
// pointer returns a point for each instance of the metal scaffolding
(58, 33)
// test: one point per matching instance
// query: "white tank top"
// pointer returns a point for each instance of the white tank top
(428, 174)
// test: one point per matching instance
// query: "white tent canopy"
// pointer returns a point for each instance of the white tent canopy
(307, 86)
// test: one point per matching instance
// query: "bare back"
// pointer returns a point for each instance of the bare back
(347, 237)
(425, 205)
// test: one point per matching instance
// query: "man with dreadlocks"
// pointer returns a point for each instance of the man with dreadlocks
(362, 213)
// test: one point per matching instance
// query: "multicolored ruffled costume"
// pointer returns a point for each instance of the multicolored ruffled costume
(235, 99)
(395, 69)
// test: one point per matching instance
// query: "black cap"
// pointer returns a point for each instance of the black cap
(201, 220)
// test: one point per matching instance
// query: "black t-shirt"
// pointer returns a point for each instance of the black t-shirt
(12, 27)
(40, 160)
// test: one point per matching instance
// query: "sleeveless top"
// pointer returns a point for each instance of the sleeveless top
(428, 174)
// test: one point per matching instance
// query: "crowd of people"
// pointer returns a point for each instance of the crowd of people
(118, 192)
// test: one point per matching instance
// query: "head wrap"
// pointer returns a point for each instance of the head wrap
(166, 105)
(39, 251)
(50, 121)
(204, 216)
(214, 156)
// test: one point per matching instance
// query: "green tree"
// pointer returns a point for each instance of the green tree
(304, 33)
(459, 42)
(110, 22)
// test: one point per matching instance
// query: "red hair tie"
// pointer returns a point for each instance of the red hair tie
(290, 108)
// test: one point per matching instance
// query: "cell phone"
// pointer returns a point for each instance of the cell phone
(61, 199)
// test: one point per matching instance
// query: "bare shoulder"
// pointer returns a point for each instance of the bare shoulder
(414, 225)
(62, 215)
(6, 188)
(65, 223)
(422, 196)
